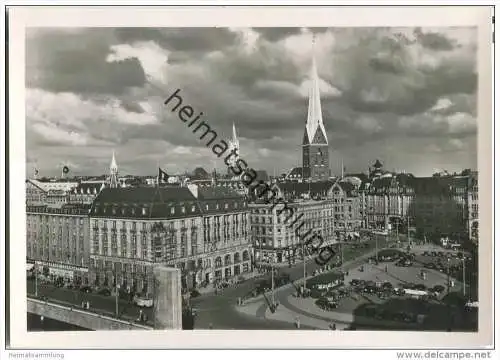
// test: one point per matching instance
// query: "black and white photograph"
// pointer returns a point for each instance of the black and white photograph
(254, 178)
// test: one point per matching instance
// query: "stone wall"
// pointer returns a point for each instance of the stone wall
(79, 317)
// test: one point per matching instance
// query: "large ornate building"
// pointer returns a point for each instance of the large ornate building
(57, 238)
(440, 207)
(328, 208)
(202, 231)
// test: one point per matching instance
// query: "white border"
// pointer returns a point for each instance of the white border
(20, 18)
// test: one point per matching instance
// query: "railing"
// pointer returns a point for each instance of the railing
(95, 314)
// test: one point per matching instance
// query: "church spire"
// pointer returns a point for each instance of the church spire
(315, 131)
(234, 143)
(113, 169)
(235, 137)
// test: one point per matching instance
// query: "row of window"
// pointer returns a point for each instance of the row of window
(172, 210)
(54, 219)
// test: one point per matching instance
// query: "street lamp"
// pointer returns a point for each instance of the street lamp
(463, 274)
(448, 292)
(272, 285)
(36, 279)
(116, 297)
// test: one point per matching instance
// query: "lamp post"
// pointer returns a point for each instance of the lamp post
(116, 294)
(304, 263)
(448, 293)
(463, 274)
(36, 279)
(272, 285)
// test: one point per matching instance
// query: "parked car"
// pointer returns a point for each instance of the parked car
(86, 289)
(355, 282)
(387, 285)
(438, 289)
(399, 292)
(143, 302)
(104, 292)
(370, 289)
(195, 293)
(421, 287)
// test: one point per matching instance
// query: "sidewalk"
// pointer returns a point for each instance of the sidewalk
(287, 315)
(308, 305)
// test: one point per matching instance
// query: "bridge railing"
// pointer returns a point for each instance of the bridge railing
(96, 314)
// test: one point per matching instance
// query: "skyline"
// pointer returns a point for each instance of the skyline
(404, 95)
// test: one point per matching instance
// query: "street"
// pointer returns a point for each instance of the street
(219, 311)
(214, 311)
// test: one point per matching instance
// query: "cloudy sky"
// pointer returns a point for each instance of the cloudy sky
(404, 95)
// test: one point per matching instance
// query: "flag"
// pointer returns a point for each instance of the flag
(162, 176)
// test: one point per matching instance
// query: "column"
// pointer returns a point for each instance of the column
(167, 297)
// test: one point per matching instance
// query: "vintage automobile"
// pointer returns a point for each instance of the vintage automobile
(143, 302)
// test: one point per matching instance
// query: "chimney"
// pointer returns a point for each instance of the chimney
(194, 189)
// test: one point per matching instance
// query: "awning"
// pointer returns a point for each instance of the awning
(29, 267)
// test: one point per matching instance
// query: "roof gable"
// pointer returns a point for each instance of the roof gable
(319, 137)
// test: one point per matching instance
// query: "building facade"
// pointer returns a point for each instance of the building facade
(473, 207)
(387, 201)
(204, 232)
(278, 238)
(57, 238)
(85, 193)
(440, 207)
(35, 194)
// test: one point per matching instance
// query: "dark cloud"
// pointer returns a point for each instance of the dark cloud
(265, 62)
(434, 41)
(77, 63)
(181, 39)
(131, 106)
(382, 66)
(385, 65)
(277, 33)
(388, 79)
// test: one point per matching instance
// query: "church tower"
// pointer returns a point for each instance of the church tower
(113, 169)
(234, 143)
(315, 159)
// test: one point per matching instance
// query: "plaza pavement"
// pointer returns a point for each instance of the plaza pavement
(291, 307)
